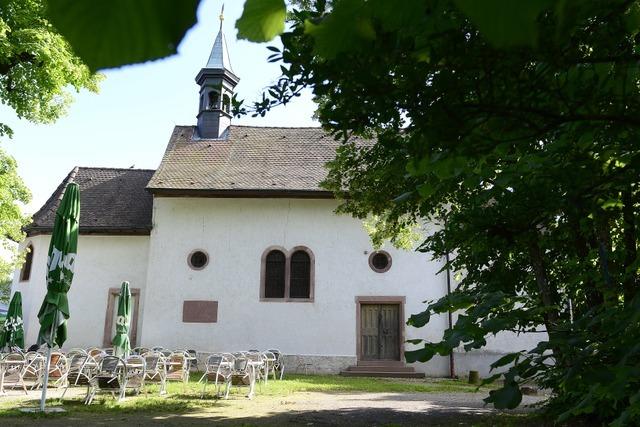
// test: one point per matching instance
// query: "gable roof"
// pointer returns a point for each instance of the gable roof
(252, 161)
(112, 201)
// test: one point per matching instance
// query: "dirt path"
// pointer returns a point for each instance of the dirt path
(304, 409)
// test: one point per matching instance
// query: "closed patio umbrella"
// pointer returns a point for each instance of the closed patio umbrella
(54, 311)
(120, 341)
(12, 334)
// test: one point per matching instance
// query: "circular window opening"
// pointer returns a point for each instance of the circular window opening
(380, 261)
(198, 259)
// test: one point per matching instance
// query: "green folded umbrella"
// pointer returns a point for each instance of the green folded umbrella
(120, 341)
(54, 311)
(12, 334)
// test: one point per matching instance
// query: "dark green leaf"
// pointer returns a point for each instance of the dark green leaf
(261, 20)
(419, 320)
(506, 22)
(121, 32)
(507, 397)
(422, 355)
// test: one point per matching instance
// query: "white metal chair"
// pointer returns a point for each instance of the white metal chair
(219, 370)
(279, 363)
(177, 369)
(111, 378)
(12, 369)
(156, 369)
(136, 373)
(34, 369)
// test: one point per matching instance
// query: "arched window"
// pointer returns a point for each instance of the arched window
(300, 276)
(287, 275)
(274, 274)
(25, 272)
(214, 98)
(226, 104)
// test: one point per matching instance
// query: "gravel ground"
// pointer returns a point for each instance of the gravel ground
(305, 409)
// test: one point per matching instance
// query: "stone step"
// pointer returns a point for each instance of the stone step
(380, 369)
(382, 374)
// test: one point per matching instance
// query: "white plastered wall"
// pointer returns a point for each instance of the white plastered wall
(103, 262)
(235, 233)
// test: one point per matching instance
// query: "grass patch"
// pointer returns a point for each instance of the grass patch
(186, 398)
(338, 384)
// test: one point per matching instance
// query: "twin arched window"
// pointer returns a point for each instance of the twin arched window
(287, 275)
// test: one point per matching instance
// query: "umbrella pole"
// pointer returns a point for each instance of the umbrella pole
(47, 363)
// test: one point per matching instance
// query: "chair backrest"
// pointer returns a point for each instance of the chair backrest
(154, 360)
(136, 362)
(268, 356)
(95, 351)
(14, 357)
(276, 353)
(75, 351)
(240, 364)
(140, 351)
(177, 356)
(109, 365)
(59, 362)
(254, 356)
(77, 361)
(213, 361)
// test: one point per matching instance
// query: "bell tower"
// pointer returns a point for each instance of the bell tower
(217, 82)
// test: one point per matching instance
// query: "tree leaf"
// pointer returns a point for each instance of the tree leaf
(419, 320)
(421, 355)
(120, 32)
(507, 397)
(505, 22)
(504, 360)
(261, 20)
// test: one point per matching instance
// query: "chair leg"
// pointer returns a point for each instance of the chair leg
(227, 389)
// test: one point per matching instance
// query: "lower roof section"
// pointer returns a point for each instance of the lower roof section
(112, 202)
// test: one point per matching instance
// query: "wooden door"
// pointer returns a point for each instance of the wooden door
(380, 331)
(112, 313)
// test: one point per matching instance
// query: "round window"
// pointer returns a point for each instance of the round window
(380, 261)
(198, 259)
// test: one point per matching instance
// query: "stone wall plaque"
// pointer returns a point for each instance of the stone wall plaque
(200, 311)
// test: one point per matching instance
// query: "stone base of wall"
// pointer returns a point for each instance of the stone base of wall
(464, 362)
(310, 364)
(438, 367)
(303, 364)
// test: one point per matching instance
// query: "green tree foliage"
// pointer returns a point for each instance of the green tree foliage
(37, 69)
(37, 65)
(514, 126)
(13, 193)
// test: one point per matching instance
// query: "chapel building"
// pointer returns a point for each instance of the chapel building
(231, 244)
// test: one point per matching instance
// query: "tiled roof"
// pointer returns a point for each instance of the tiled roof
(112, 201)
(262, 160)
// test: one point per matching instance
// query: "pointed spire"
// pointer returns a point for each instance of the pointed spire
(219, 57)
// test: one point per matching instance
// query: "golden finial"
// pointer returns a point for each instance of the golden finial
(221, 16)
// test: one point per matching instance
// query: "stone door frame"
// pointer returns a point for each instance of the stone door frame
(394, 300)
(108, 319)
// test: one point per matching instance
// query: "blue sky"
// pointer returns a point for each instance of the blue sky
(129, 122)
